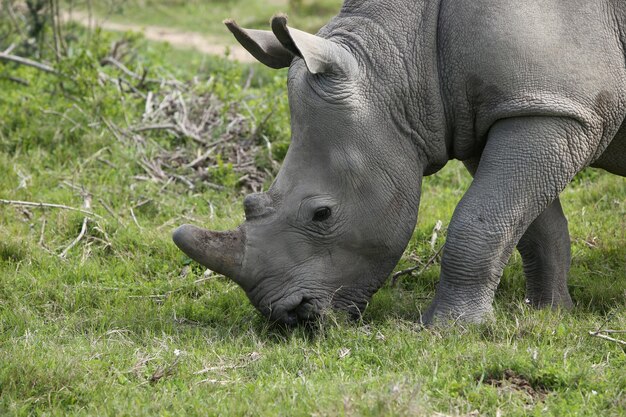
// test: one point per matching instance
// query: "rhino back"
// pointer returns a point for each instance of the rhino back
(501, 59)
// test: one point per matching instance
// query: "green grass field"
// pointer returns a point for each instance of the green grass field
(105, 316)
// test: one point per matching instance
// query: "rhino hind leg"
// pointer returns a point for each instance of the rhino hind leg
(546, 254)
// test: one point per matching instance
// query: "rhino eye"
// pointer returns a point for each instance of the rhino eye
(321, 214)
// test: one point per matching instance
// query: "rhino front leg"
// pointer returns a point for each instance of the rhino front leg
(525, 165)
(546, 254)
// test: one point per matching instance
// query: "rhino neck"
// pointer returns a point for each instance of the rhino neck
(390, 35)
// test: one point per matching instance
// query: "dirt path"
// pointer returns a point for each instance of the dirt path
(179, 39)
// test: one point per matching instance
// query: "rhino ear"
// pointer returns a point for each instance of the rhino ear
(320, 55)
(262, 44)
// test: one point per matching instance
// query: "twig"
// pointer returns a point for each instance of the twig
(41, 235)
(394, 277)
(141, 78)
(110, 211)
(606, 320)
(13, 17)
(178, 130)
(143, 203)
(83, 230)
(213, 381)
(254, 356)
(113, 129)
(10, 48)
(199, 159)
(165, 126)
(219, 368)
(211, 210)
(132, 213)
(17, 80)
(605, 337)
(120, 66)
(106, 162)
(168, 223)
(50, 205)
(28, 62)
(183, 179)
(64, 116)
(95, 155)
(599, 332)
(164, 371)
(56, 28)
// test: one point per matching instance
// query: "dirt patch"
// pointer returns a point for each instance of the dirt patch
(179, 39)
(510, 380)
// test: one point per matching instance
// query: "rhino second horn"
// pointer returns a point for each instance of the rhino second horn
(256, 205)
(320, 55)
(221, 252)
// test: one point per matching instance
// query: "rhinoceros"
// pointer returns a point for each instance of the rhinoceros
(526, 94)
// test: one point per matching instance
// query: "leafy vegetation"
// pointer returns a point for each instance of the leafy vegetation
(105, 316)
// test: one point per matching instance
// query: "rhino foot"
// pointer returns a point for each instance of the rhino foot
(448, 308)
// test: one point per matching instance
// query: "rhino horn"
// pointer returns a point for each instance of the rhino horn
(320, 55)
(262, 44)
(221, 252)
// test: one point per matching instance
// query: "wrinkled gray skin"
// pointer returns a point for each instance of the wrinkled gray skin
(527, 94)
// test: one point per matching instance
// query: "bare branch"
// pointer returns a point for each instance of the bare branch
(50, 205)
(605, 337)
(28, 62)
(141, 78)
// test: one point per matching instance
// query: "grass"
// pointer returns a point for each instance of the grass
(206, 16)
(126, 325)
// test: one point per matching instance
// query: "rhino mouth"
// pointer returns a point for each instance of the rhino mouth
(294, 310)
(306, 310)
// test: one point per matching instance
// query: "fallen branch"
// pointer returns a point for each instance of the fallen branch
(49, 205)
(28, 62)
(605, 337)
(141, 78)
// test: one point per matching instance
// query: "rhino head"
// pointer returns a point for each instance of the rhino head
(341, 210)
